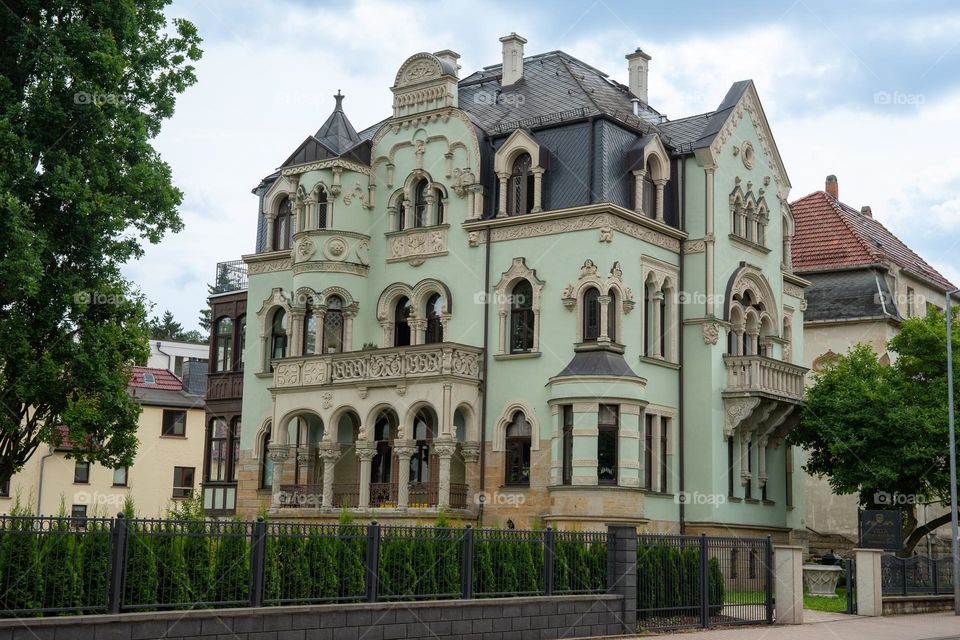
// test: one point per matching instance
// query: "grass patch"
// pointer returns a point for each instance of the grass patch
(819, 603)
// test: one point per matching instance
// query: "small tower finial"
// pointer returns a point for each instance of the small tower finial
(339, 98)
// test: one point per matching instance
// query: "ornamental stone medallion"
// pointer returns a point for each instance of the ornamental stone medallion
(335, 249)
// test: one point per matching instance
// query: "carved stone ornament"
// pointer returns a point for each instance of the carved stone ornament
(736, 411)
(335, 249)
(363, 252)
(305, 248)
(326, 399)
(606, 234)
(711, 332)
(462, 180)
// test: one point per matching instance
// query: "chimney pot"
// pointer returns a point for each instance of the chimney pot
(638, 67)
(831, 187)
(866, 210)
(512, 58)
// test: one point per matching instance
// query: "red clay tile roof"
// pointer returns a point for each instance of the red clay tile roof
(163, 379)
(830, 234)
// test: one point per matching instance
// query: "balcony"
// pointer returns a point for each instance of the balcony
(231, 276)
(394, 364)
(383, 495)
(224, 385)
(762, 376)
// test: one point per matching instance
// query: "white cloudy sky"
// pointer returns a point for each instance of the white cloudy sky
(866, 90)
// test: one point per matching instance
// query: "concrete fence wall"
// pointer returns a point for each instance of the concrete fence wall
(536, 618)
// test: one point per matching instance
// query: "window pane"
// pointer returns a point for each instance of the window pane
(120, 477)
(174, 423)
(81, 472)
(607, 455)
(182, 482)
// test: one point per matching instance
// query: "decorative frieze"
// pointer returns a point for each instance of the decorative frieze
(275, 265)
(415, 245)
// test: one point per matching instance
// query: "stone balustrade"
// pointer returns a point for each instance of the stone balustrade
(759, 374)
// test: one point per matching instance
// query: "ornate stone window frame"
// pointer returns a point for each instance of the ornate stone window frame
(746, 323)
(518, 143)
(418, 296)
(508, 279)
(319, 303)
(750, 214)
(288, 186)
(590, 278)
(661, 280)
(500, 433)
(655, 150)
(276, 300)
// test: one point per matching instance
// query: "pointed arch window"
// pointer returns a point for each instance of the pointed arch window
(520, 186)
(309, 330)
(591, 315)
(401, 214)
(434, 333)
(401, 322)
(278, 335)
(420, 205)
(612, 317)
(521, 317)
(283, 226)
(333, 326)
(649, 192)
(518, 450)
(322, 208)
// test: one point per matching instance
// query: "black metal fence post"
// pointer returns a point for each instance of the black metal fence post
(903, 574)
(118, 556)
(466, 565)
(257, 561)
(373, 561)
(934, 576)
(768, 587)
(704, 583)
(848, 565)
(549, 548)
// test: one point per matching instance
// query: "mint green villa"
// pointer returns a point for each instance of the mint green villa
(526, 297)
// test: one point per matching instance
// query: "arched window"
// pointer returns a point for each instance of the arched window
(278, 335)
(521, 317)
(420, 207)
(518, 450)
(283, 226)
(591, 315)
(401, 322)
(333, 326)
(438, 207)
(520, 186)
(224, 341)
(266, 464)
(423, 436)
(649, 192)
(309, 330)
(434, 332)
(321, 208)
(384, 431)
(401, 214)
(612, 317)
(241, 342)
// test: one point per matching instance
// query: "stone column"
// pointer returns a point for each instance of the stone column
(504, 330)
(745, 472)
(404, 449)
(295, 333)
(638, 177)
(471, 458)
(329, 453)
(392, 216)
(869, 592)
(444, 449)
(762, 461)
(502, 207)
(431, 209)
(604, 315)
(270, 220)
(538, 189)
(278, 456)
(408, 214)
(418, 328)
(366, 451)
(660, 185)
(788, 584)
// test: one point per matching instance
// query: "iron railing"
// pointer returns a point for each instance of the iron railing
(231, 276)
(383, 495)
(700, 581)
(917, 575)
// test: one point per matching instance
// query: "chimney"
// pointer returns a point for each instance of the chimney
(831, 187)
(512, 58)
(866, 211)
(450, 57)
(638, 66)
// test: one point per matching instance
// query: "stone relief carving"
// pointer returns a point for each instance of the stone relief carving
(335, 249)
(582, 222)
(711, 332)
(418, 243)
(606, 234)
(363, 252)
(268, 266)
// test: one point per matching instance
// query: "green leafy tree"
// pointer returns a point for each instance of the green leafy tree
(84, 88)
(881, 431)
(166, 328)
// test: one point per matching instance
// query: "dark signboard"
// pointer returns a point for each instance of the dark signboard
(881, 529)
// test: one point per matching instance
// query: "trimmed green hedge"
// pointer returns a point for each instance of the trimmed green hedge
(668, 582)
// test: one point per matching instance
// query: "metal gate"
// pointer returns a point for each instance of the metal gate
(703, 581)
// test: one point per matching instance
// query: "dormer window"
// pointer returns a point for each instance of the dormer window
(649, 192)
(283, 226)
(520, 186)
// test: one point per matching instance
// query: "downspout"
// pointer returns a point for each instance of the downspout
(43, 459)
(160, 344)
(485, 378)
(682, 223)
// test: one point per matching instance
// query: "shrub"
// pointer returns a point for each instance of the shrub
(94, 559)
(231, 564)
(61, 575)
(668, 582)
(19, 566)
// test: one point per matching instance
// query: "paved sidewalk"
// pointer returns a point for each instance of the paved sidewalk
(928, 626)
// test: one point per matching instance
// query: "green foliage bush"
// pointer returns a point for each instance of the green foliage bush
(668, 582)
(231, 564)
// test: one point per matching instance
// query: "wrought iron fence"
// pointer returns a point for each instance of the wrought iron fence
(102, 565)
(700, 581)
(917, 575)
